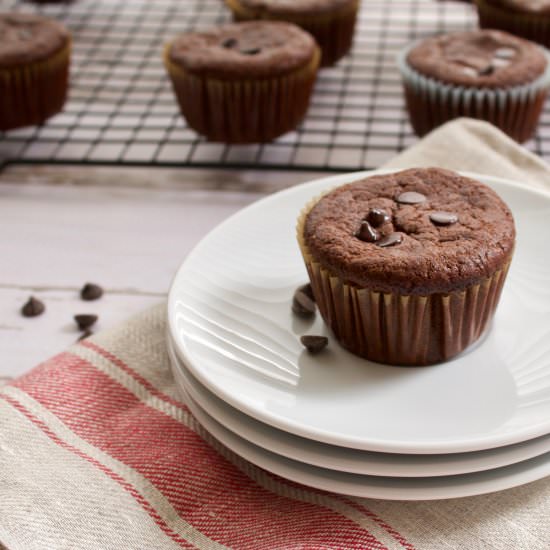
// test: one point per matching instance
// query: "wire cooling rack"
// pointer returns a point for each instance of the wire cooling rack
(121, 108)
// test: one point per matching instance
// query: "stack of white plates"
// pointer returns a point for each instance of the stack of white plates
(476, 424)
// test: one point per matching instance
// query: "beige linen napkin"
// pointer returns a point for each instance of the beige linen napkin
(97, 451)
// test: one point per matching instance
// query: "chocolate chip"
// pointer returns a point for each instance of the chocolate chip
(302, 304)
(85, 334)
(229, 43)
(411, 197)
(308, 290)
(390, 240)
(377, 217)
(367, 233)
(314, 344)
(91, 291)
(505, 53)
(486, 71)
(443, 218)
(251, 51)
(33, 307)
(85, 320)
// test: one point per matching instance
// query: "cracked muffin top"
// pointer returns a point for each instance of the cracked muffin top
(417, 231)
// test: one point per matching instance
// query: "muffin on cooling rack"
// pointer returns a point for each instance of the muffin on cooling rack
(331, 22)
(243, 82)
(485, 74)
(407, 268)
(527, 18)
(34, 69)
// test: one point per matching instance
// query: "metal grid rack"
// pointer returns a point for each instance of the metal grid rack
(121, 108)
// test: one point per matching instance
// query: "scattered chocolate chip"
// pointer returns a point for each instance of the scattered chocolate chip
(85, 334)
(366, 233)
(229, 43)
(251, 51)
(33, 307)
(411, 197)
(314, 344)
(443, 218)
(91, 291)
(377, 217)
(302, 304)
(486, 71)
(505, 53)
(85, 320)
(390, 240)
(307, 288)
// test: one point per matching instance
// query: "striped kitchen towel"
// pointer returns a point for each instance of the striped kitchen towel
(98, 452)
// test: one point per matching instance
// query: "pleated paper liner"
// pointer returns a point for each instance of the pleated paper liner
(31, 93)
(243, 111)
(399, 329)
(332, 30)
(533, 26)
(515, 110)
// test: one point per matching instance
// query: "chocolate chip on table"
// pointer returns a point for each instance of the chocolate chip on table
(377, 217)
(33, 307)
(314, 344)
(443, 218)
(85, 320)
(91, 291)
(251, 51)
(85, 334)
(302, 304)
(229, 43)
(390, 240)
(366, 233)
(411, 197)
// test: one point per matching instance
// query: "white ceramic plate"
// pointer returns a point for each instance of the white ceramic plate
(389, 488)
(229, 315)
(343, 459)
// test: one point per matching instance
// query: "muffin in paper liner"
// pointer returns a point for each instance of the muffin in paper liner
(532, 26)
(430, 103)
(246, 110)
(395, 328)
(31, 93)
(333, 29)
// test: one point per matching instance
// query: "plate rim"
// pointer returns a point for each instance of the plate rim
(288, 425)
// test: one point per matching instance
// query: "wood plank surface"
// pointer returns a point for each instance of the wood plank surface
(125, 229)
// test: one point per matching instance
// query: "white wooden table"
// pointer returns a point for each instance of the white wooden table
(125, 229)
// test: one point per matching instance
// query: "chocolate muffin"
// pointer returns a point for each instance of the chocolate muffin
(34, 69)
(526, 18)
(243, 82)
(407, 268)
(484, 74)
(331, 22)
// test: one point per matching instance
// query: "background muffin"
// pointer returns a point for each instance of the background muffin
(243, 82)
(34, 69)
(489, 75)
(407, 268)
(331, 22)
(527, 18)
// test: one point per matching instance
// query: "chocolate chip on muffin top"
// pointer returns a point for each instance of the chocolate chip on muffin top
(482, 58)
(455, 229)
(253, 49)
(28, 38)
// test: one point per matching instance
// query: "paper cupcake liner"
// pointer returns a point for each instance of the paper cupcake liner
(243, 111)
(430, 103)
(532, 26)
(32, 93)
(333, 31)
(400, 329)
